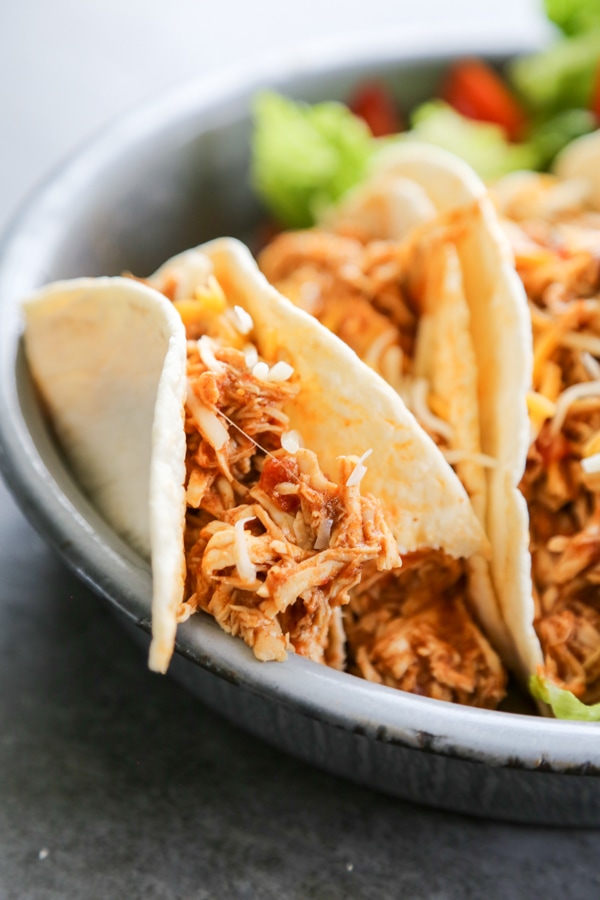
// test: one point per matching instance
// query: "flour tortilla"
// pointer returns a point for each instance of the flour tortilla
(581, 160)
(483, 304)
(109, 358)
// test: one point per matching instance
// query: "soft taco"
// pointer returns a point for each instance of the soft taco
(281, 475)
(554, 226)
(412, 270)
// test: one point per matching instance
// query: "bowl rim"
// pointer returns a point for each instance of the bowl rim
(102, 560)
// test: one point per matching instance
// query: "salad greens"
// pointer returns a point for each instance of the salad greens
(305, 157)
(482, 144)
(564, 704)
(561, 77)
(573, 16)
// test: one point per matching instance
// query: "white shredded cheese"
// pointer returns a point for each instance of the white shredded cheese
(207, 354)
(243, 563)
(290, 441)
(324, 533)
(242, 320)
(581, 340)
(591, 365)
(568, 397)
(281, 371)
(261, 371)
(250, 355)
(359, 470)
(480, 459)
(375, 352)
(212, 429)
(591, 464)
(419, 406)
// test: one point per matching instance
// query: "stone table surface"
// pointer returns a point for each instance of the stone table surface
(115, 783)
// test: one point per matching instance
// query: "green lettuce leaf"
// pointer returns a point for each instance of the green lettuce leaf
(305, 157)
(564, 704)
(551, 136)
(561, 77)
(483, 145)
(573, 16)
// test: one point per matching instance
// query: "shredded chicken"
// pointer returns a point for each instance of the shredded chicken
(558, 258)
(355, 290)
(412, 630)
(273, 546)
(276, 551)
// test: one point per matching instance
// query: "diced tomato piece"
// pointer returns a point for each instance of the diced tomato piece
(274, 472)
(476, 91)
(374, 103)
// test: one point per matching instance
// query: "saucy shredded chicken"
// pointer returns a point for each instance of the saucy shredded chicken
(273, 546)
(354, 289)
(288, 559)
(413, 631)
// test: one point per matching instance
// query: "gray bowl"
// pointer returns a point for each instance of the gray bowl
(165, 178)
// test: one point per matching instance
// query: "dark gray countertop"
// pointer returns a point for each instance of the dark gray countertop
(115, 782)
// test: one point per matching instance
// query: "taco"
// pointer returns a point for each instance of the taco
(290, 476)
(554, 228)
(412, 270)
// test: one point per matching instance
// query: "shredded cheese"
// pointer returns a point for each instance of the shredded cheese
(281, 371)
(207, 355)
(290, 441)
(244, 565)
(419, 406)
(324, 534)
(479, 459)
(358, 472)
(242, 320)
(591, 464)
(261, 371)
(212, 429)
(374, 354)
(581, 340)
(540, 408)
(591, 365)
(568, 397)
(250, 355)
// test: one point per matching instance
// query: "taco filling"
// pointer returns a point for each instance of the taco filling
(556, 240)
(358, 291)
(286, 558)
(193, 445)
(273, 546)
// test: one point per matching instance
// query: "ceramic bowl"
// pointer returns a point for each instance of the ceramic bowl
(168, 177)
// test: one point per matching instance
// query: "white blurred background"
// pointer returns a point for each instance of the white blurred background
(69, 66)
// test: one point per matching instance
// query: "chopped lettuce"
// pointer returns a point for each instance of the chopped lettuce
(561, 77)
(553, 135)
(305, 157)
(564, 704)
(483, 145)
(573, 16)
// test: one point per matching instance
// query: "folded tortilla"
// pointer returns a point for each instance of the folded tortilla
(554, 229)
(289, 475)
(413, 271)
